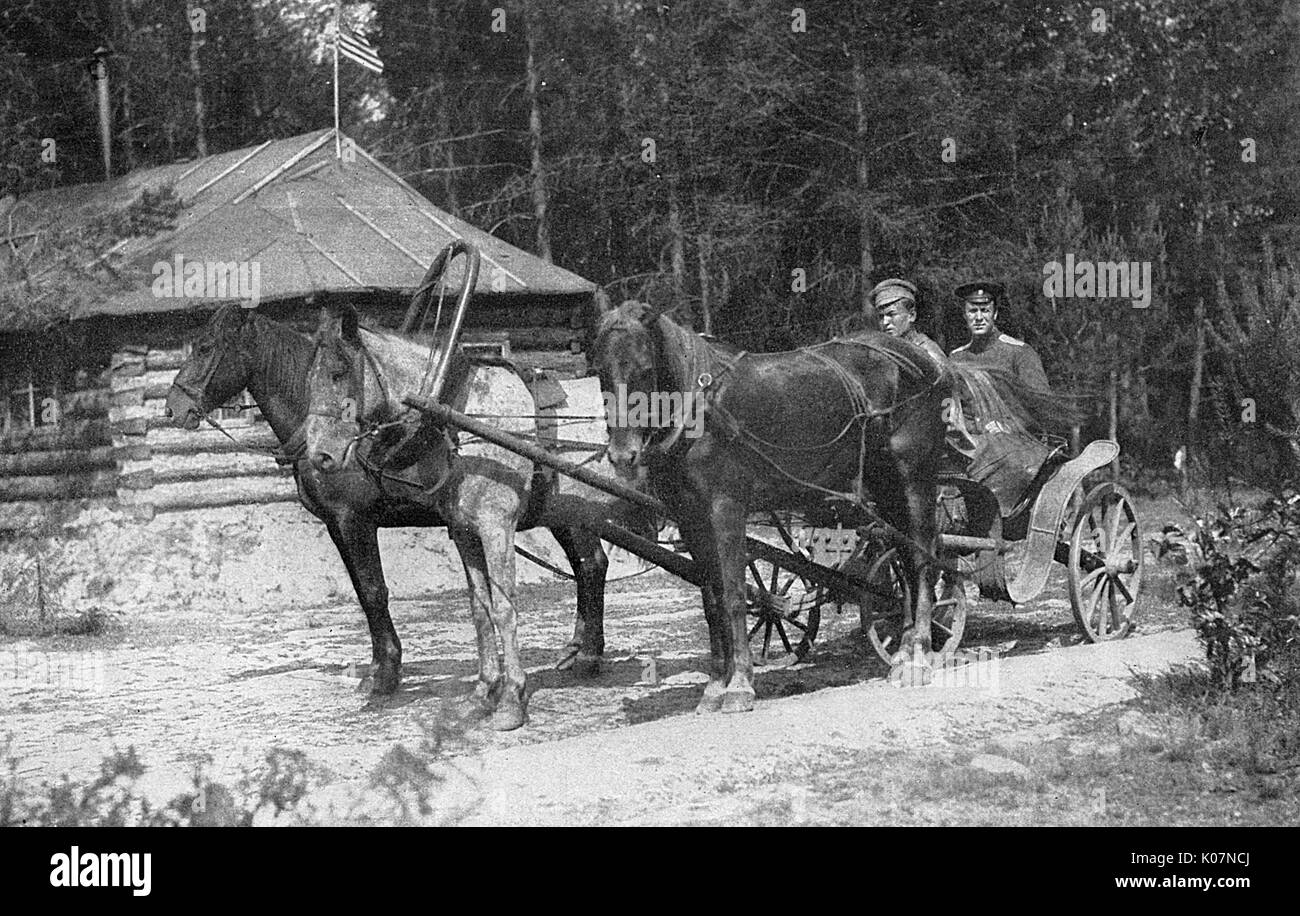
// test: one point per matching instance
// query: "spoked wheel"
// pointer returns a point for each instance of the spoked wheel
(1105, 566)
(783, 607)
(884, 619)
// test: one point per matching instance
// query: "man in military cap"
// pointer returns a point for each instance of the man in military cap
(1006, 460)
(895, 303)
(989, 348)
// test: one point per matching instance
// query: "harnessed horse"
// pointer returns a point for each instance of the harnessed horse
(858, 422)
(356, 384)
(240, 349)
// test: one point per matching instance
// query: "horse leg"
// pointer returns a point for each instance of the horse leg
(700, 543)
(728, 518)
(587, 557)
(488, 687)
(357, 541)
(921, 551)
(497, 538)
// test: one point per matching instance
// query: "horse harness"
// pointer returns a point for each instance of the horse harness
(864, 414)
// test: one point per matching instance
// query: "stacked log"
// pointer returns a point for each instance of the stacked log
(115, 446)
(129, 419)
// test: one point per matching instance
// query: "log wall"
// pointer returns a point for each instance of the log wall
(115, 447)
(164, 469)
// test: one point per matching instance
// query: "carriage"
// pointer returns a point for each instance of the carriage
(1002, 526)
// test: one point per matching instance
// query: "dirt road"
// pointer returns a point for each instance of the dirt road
(231, 680)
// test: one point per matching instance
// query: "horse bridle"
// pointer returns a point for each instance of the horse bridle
(198, 394)
(376, 471)
(661, 444)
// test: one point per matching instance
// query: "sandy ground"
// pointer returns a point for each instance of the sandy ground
(235, 632)
(232, 681)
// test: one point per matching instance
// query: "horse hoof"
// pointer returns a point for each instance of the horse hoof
(508, 716)
(385, 682)
(485, 696)
(586, 666)
(738, 701)
(911, 674)
(709, 703)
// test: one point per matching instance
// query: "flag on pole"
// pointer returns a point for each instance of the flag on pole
(356, 48)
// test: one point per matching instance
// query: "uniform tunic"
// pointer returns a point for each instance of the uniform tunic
(1006, 353)
(913, 336)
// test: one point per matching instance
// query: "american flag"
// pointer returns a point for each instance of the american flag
(355, 47)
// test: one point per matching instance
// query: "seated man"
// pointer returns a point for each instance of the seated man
(1008, 456)
(988, 347)
(895, 303)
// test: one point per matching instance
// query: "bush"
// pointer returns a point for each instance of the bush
(113, 800)
(1243, 594)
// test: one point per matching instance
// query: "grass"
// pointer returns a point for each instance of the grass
(92, 622)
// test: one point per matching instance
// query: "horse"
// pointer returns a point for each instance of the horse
(356, 385)
(859, 422)
(241, 349)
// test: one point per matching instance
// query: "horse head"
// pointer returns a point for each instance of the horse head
(217, 369)
(627, 357)
(336, 390)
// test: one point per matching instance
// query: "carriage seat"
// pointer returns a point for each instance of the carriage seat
(1013, 467)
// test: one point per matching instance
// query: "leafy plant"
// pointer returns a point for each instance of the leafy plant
(1243, 597)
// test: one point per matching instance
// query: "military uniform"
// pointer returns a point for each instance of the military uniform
(1006, 460)
(913, 336)
(895, 291)
(1007, 353)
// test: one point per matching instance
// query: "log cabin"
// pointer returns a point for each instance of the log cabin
(92, 329)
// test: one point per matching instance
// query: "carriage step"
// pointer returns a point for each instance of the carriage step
(1048, 513)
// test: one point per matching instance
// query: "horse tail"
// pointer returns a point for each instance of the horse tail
(991, 393)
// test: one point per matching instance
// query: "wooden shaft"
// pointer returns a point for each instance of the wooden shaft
(441, 413)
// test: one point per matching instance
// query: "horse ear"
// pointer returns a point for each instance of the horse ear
(327, 323)
(228, 314)
(350, 323)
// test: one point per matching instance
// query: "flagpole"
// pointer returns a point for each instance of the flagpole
(338, 143)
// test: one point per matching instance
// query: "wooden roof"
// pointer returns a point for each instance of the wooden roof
(312, 223)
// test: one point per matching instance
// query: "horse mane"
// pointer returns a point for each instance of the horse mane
(687, 350)
(284, 355)
(991, 392)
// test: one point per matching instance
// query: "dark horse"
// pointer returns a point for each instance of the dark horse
(240, 349)
(858, 422)
(357, 384)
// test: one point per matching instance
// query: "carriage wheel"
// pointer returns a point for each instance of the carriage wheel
(884, 619)
(783, 608)
(1105, 567)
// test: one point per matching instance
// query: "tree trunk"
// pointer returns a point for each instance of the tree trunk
(1194, 389)
(535, 143)
(703, 244)
(128, 112)
(196, 72)
(442, 155)
(677, 237)
(866, 263)
(1112, 427)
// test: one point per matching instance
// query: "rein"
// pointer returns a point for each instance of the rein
(197, 393)
(863, 414)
